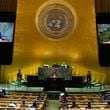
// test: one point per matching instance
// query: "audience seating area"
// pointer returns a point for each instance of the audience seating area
(83, 101)
(23, 101)
(39, 101)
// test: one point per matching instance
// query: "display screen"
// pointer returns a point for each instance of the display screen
(103, 33)
(6, 31)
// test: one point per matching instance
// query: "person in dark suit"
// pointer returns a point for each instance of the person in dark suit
(19, 77)
(3, 91)
(89, 79)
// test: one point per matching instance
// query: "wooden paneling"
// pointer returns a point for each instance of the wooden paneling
(102, 6)
(8, 5)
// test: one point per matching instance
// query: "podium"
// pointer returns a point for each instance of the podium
(54, 84)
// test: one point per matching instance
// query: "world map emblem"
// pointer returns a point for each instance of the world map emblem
(55, 20)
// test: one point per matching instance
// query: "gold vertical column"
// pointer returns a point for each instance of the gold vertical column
(0, 73)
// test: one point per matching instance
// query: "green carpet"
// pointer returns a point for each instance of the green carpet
(53, 105)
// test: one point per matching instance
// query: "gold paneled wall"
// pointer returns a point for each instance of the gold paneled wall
(79, 50)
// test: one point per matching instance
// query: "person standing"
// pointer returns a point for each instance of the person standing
(3, 91)
(19, 78)
(89, 79)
